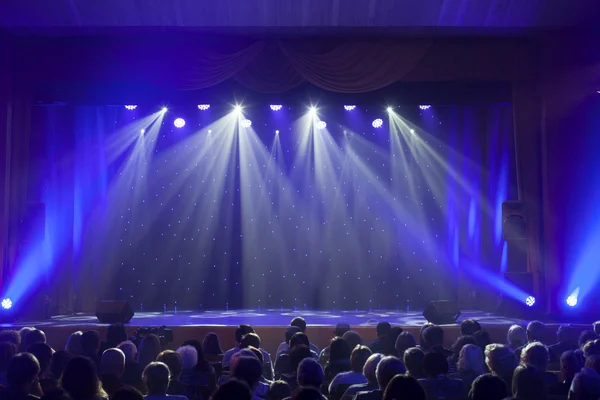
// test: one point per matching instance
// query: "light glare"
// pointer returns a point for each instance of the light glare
(571, 301)
(203, 107)
(179, 123)
(276, 107)
(530, 301)
(390, 109)
(246, 123)
(377, 123)
(312, 111)
(164, 109)
(349, 107)
(7, 304)
(424, 106)
(321, 125)
(238, 108)
(142, 131)
(131, 107)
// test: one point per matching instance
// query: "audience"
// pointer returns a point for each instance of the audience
(248, 370)
(73, 345)
(571, 363)
(383, 330)
(566, 341)
(80, 379)
(173, 361)
(43, 353)
(156, 378)
(413, 359)
(10, 336)
(434, 340)
(278, 390)
(22, 379)
(132, 375)
(488, 387)
(404, 341)
(516, 337)
(148, 350)
(211, 346)
(352, 370)
(339, 358)
(501, 361)
(355, 376)
(586, 336)
(113, 367)
(528, 383)
(7, 352)
(535, 333)
(437, 384)
(387, 368)
(22, 346)
(58, 363)
(240, 332)
(586, 383)
(422, 344)
(300, 324)
(340, 329)
(403, 387)
(470, 364)
(232, 389)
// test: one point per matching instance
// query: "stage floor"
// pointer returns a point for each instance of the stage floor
(271, 317)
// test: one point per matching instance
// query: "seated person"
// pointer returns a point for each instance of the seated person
(437, 384)
(404, 387)
(536, 354)
(369, 373)
(358, 358)
(413, 359)
(339, 358)
(516, 337)
(387, 368)
(232, 389)
(378, 345)
(300, 324)
(113, 366)
(527, 383)
(434, 340)
(488, 387)
(566, 340)
(586, 383)
(22, 378)
(340, 329)
(279, 390)
(172, 359)
(536, 331)
(501, 361)
(571, 363)
(297, 355)
(156, 378)
(248, 370)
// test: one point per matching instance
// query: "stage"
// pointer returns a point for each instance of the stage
(270, 324)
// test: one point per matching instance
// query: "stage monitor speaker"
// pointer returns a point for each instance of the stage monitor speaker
(442, 312)
(514, 221)
(114, 312)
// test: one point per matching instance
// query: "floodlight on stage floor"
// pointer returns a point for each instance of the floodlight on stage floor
(131, 107)
(275, 107)
(390, 110)
(246, 123)
(179, 123)
(277, 132)
(424, 106)
(377, 123)
(164, 109)
(571, 301)
(349, 107)
(203, 107)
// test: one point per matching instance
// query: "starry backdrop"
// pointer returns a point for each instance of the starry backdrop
(217, 214)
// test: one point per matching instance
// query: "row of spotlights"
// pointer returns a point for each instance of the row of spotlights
(277, 107)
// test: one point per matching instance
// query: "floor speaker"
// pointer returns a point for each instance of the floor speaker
(114, 312)
(442, 312)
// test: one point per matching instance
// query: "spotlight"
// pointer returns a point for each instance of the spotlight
(238, 108)
(390, 109)
(571, 301)
(7, 304)
(203, 107)
(321, 125)
(349, 107)
(131, 107)
(142, 131)
(424, 106)
(530, 301)
(312, 111)
(164, 109)
(377, 123)
(275, 107)
(277, 132)
(179, 123)
(246, 123)
(210, 131)
(412, 131)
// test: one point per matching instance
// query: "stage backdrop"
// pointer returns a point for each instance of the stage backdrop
(272, 208)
